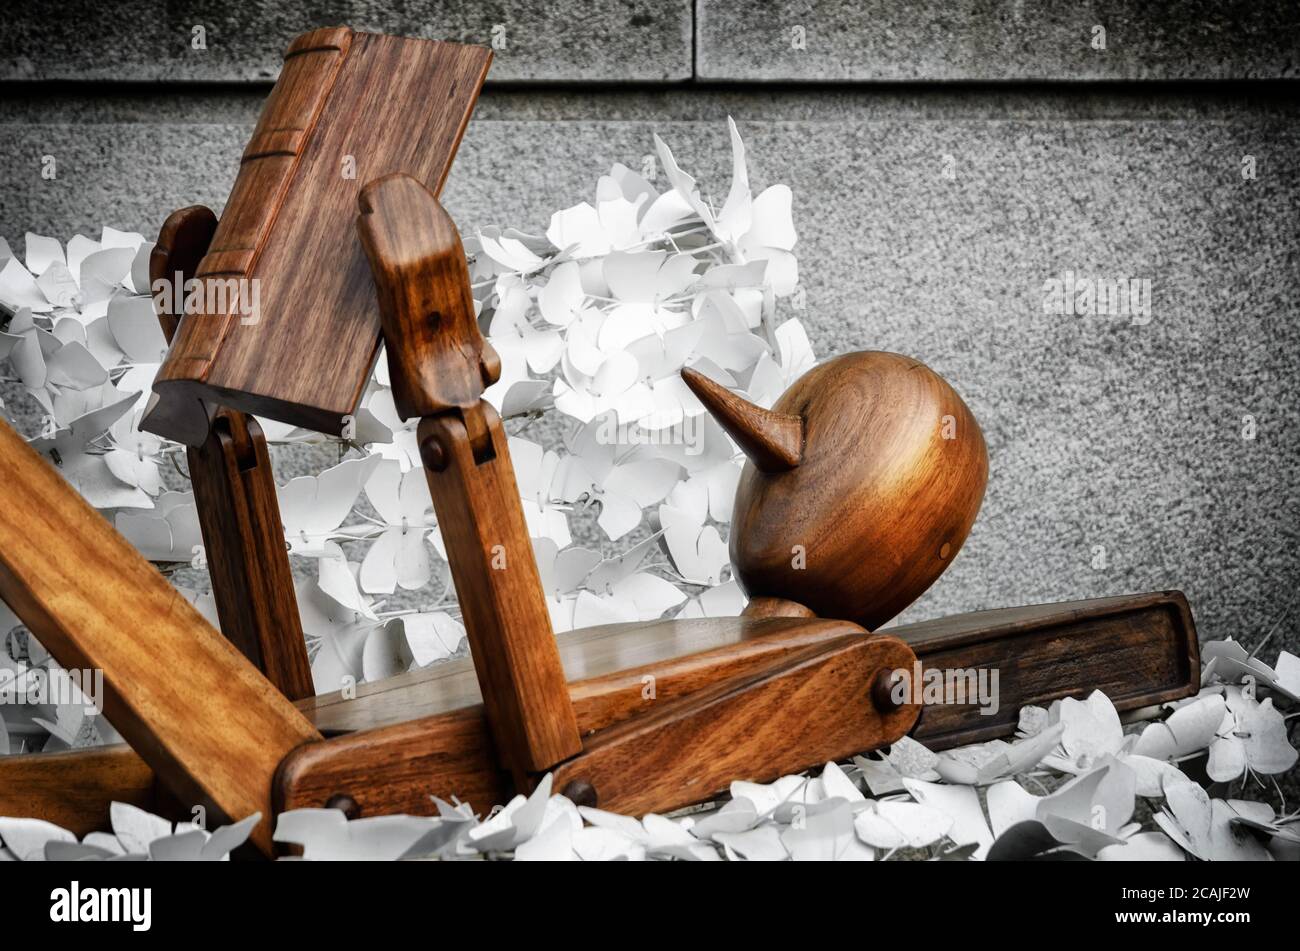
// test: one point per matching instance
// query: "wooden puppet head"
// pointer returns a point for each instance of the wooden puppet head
(862, 483)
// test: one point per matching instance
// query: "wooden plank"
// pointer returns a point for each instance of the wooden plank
(398, 768)
(787, 711)
(211, 727)
(1142, 649)
(615, 671)
(412, 719)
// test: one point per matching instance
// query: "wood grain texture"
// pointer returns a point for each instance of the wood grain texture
(764, 607)
(235, 495)
(1140, 650)
(614, 671)
(396, 769)
(406, 725)
(613, 696)
(182, 242)
(199, 714)
(74, 789)
(437, 358)
(500, 593)
(348, 108)
(439, 366)
(398, 734)
(881, 500)
(243, 537)
(809, 710)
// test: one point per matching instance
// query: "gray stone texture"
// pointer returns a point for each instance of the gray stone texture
(151, 40)
(945, 40)
(929, 217)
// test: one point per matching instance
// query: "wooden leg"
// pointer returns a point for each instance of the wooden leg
(234, 491)
(252, 582)
(500, 592)
(211, 726)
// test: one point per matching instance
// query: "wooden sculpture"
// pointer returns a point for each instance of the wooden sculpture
(862, 483)
(853, 464)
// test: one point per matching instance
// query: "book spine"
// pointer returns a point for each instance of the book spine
(311, 64)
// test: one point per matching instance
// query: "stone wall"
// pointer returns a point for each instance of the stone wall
(947, 157)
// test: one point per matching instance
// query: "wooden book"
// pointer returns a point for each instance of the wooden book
(1140, 650)
(287, 327)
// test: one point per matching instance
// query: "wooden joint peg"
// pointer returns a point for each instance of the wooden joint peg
(439, 365)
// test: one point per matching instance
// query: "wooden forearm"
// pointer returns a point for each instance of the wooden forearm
(439, 365)
(500, 592)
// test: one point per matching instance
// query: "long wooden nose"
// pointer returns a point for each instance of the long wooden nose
(772, 441)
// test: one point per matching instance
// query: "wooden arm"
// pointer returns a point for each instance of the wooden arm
(211, 727)
(439, 365)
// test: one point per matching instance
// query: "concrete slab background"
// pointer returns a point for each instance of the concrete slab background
(945, 40)
(192, 40)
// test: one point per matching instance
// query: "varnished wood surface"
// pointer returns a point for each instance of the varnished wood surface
(764, 607)
(607, 668)
(773, 442)
(500, 594)
(790, 712)
(243, 537)
(812, 709)
(74, 789)
(433, 722)
(430, 722)
(438, 359)
(199, 714)
(880, 502)
(235, 495)
(384, 103)
(439, 366)
(396, 769)
(1140, 650)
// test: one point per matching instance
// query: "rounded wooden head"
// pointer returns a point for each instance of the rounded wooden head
(862, 483)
